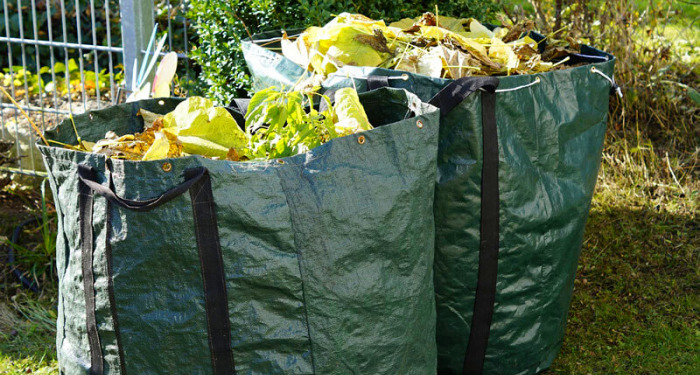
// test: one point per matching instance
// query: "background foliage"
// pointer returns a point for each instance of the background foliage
(657, 46)
(48, 13)
(221, 25)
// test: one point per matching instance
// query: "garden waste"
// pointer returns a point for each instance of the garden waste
(436, 46)
(277, 124)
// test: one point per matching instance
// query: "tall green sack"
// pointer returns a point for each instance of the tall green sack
(516, 174)
(320, 263)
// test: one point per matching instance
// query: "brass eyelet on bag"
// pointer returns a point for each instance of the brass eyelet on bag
(419, 124)
(361, 139)
(167, 167)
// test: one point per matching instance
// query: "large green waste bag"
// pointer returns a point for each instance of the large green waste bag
(320, 263)
(516, 173)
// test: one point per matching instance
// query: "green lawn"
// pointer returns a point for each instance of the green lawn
(636, 302)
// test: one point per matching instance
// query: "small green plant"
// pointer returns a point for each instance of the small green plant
(18, 78)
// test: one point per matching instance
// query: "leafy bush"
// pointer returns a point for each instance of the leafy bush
(221, 25)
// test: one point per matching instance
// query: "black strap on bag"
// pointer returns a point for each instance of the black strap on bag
(198, 182)
(447, 99)
(212, 265)
(87, 177)
(377, 82)
(86, 243)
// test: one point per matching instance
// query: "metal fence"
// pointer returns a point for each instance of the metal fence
(60, 57)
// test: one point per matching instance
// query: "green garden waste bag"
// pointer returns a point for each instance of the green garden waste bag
(319, 263)
(518, 158)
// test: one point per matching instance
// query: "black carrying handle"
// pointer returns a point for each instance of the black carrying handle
(456, 91)
(377, 82)
(88, 176)
(198, 182)
(447, 99)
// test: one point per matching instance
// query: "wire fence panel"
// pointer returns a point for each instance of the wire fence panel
(62, 57)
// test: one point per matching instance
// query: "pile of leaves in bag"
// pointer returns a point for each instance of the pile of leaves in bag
(278, 124)
(432, 45)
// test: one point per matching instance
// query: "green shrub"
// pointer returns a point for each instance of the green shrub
(221, 25)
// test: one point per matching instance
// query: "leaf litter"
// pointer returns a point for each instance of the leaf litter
(436, 46)
(278, 124)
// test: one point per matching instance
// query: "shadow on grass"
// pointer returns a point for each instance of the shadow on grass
(636, 301)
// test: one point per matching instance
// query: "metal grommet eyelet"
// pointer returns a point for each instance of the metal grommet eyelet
(167, 167)
(419, 124)
(593, 69)
(161, 102)
(91, 116)
(361, 139)
(404, 77)
(280, 161)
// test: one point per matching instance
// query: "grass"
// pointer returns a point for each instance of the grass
(636, 301)
(27, 335)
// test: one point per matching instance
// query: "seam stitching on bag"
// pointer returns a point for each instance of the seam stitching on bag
(301, 272)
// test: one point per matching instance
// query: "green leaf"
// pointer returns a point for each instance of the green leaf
(694, 95)
(258, 105)
(72, 66)
(59, 67)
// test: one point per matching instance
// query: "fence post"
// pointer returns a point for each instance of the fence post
(137, 26)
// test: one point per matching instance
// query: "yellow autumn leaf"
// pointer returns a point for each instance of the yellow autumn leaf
(159, 148)
(451, 23)
(199, 146)
(350, 116)
(403, 24)
(197, 117)
(503, 54)
(348, 45)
